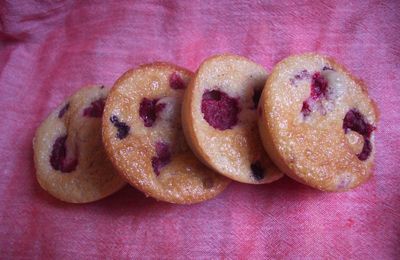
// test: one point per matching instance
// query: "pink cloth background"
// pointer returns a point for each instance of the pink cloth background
(49, 49)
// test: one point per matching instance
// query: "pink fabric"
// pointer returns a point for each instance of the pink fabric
(49, 49)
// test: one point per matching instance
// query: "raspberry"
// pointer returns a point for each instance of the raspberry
(319, 89)
(63, 110)
(176, 82)
(163, 157)
(306, 109)
(355, 121)
(319, 86)
(58, 156)
(95, 109)
(220, 110)
(148, 111)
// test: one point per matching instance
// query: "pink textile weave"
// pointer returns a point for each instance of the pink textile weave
(49, 49)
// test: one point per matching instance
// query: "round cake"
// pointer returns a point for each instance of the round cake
(318, 123)
(219, 118)
(70, 161)
(143, 136)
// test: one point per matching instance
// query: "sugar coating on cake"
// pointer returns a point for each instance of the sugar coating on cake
(318, 123)
(70, 161)
(152, 154)
(219, 118)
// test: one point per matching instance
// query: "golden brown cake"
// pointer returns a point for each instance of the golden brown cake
(318, 123)
(143, 136)
(219, 118)
(70, 161)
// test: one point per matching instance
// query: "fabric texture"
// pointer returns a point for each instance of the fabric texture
(49, 49)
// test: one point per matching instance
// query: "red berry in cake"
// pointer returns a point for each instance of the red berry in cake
(58, 157)
(63, 110)
(122, 128)
(148, 110)
(95, 109)
(319, 90)
(319, 86)
(163, 157)
(366, 150)
(304, 74)
(327, 68)
(356, 122)
(219, 109)
(176, 82)
(306, 108)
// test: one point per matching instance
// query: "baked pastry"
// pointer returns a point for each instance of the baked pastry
(143, 136)
(70, 161)
(219, 118)
(318, 123)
